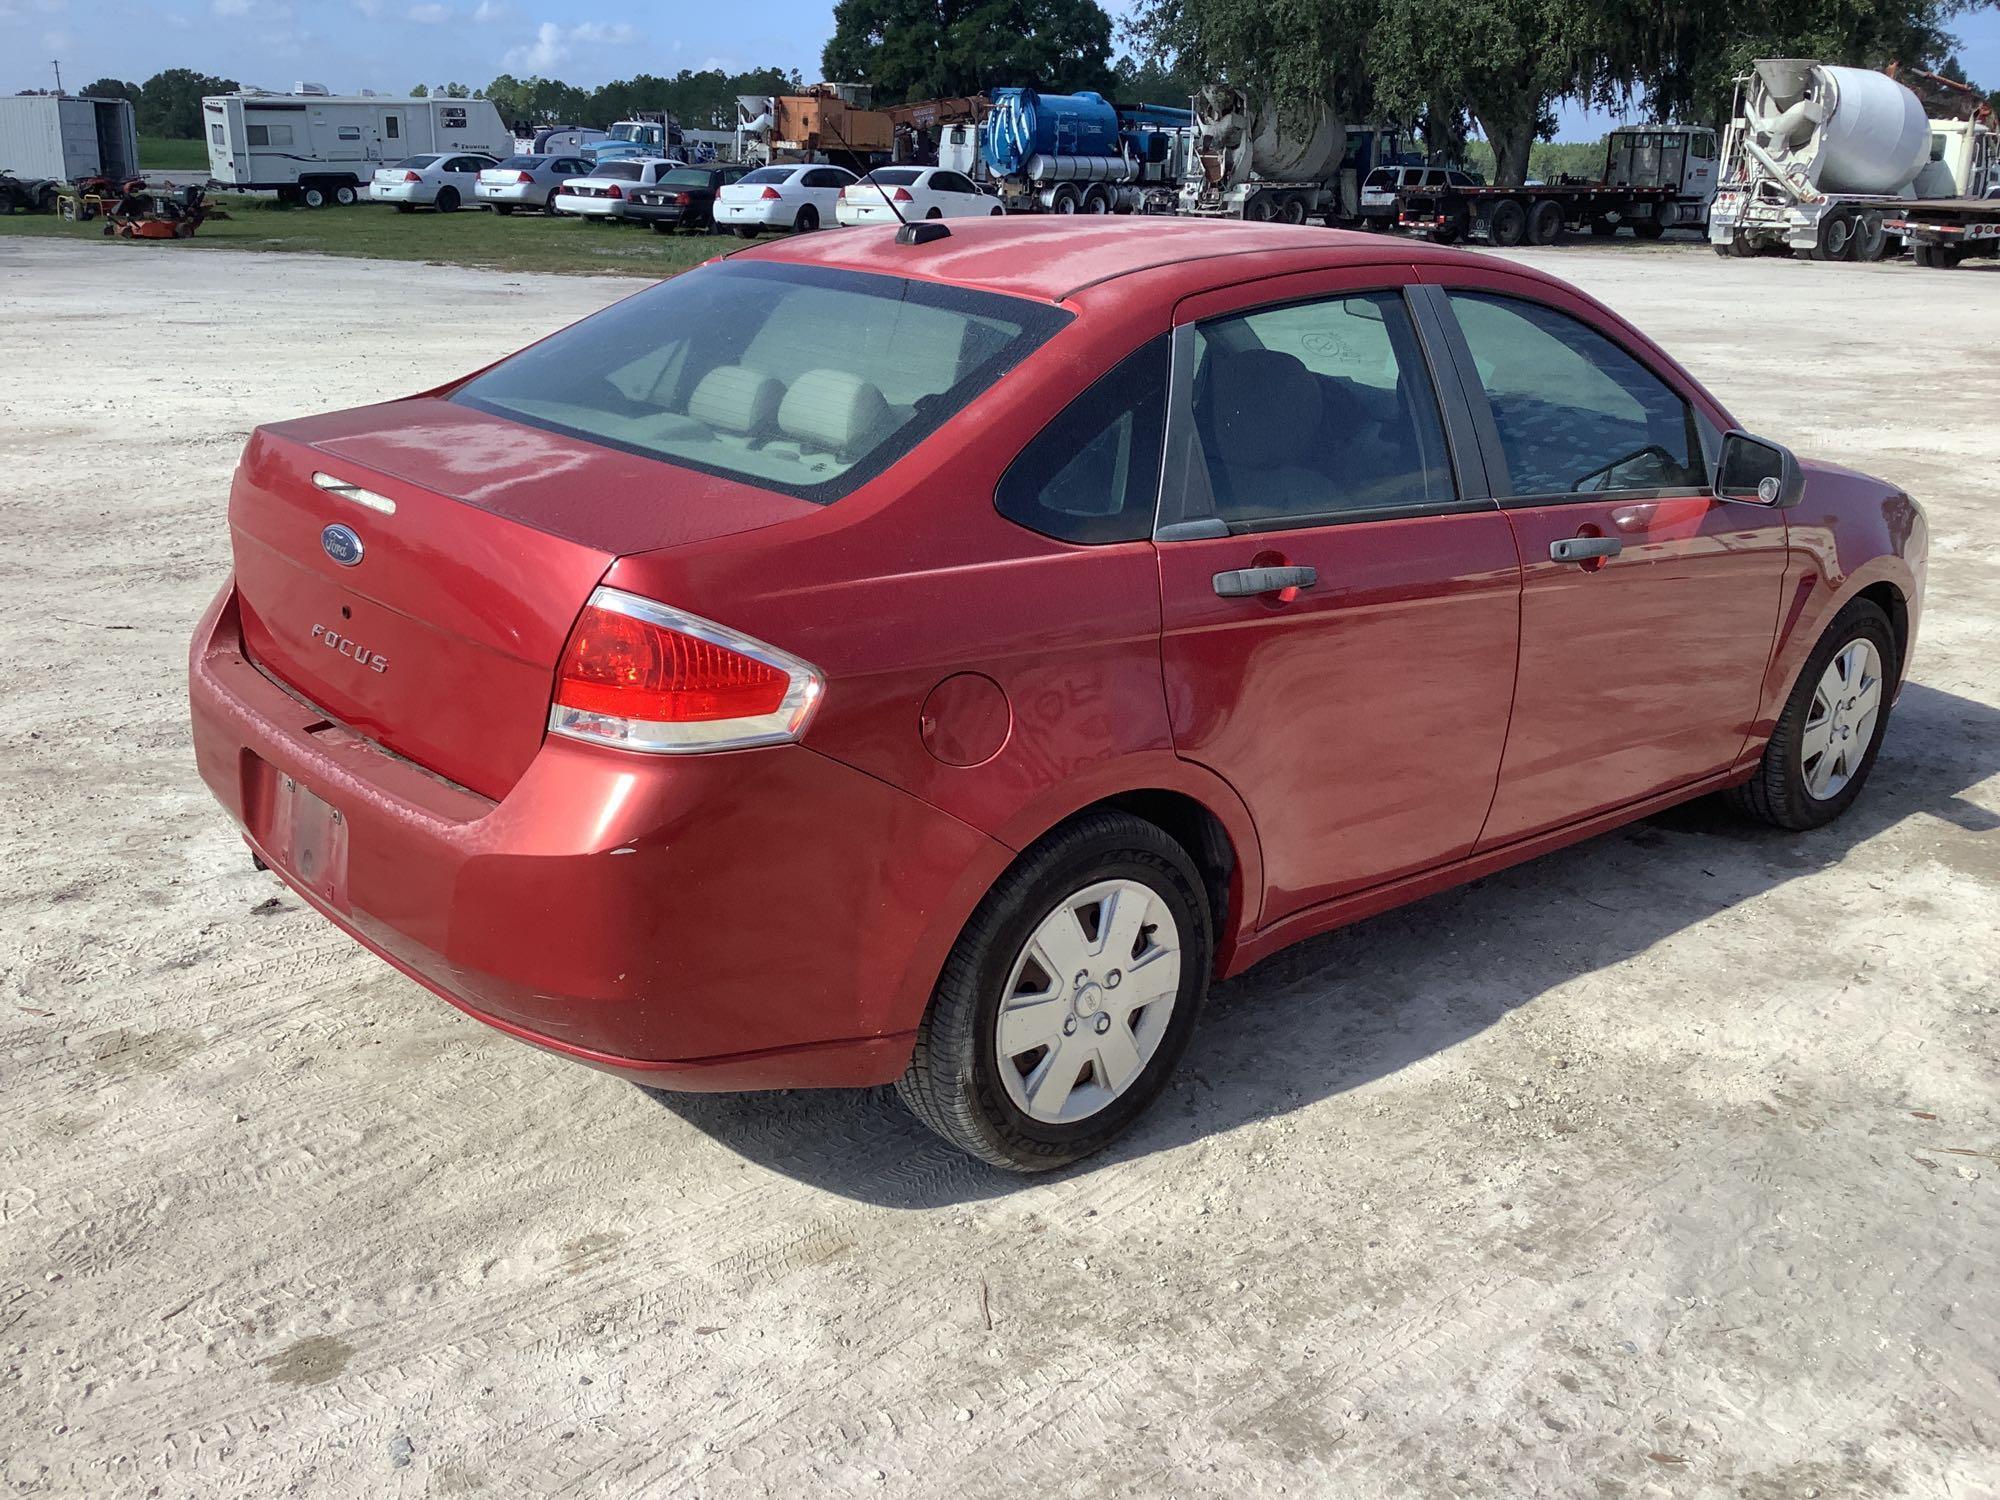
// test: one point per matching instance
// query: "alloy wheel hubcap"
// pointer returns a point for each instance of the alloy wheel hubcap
(1088, 1001)
(1840, 725)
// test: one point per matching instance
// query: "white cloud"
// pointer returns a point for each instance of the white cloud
(430, 15)
(553, 44)
(489, 11)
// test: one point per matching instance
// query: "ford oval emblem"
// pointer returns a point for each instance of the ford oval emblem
(341, 544)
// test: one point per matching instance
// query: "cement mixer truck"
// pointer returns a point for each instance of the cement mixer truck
(1081, 154)
(1256, 159)
(1822, 159)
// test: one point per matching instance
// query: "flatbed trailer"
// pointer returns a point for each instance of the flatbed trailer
(1942, 232)
(1537, 215)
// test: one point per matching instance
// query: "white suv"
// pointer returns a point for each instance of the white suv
(1379, 189)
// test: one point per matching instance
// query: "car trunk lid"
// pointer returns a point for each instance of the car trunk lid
(414, 569)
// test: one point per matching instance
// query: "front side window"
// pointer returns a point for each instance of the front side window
(1576, 414)
(797, 378)
(1701, 145)
(1093, 474)
(1317, 410)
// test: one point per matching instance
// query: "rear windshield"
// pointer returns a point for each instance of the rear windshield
(797, 378)
(524, 163)
(619, 171)
(687, 177)
(768, 174)
(415, 162)
(895, 176)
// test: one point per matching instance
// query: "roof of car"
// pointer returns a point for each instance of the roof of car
(1052, 258)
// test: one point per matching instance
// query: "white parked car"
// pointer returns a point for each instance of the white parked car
(889, 195)
(442, 181)
(607, 192)
(528, 182)
(800, 197)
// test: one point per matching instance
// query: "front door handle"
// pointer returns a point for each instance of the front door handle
(1244, 582)
(1582, 548)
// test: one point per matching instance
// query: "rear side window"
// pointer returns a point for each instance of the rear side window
(1576, 414)
(1316, 410)
(1093, 474)
(1380, 180)
(801, 379)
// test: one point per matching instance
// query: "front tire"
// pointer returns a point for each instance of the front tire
(1068, 999)
(1826, 740)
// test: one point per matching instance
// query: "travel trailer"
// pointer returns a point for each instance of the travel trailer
(317, 148)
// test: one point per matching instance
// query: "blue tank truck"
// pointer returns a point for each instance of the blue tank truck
(1082, 154)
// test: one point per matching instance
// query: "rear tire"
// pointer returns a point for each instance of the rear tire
(447, 200)
(1602, 229)
(1064, 200)
(1096, 201)
(746, 231)
(344, 196)
(1836, 237)
(961, 1085)
(1649, 229)
(1508, 225)
(1545, 222)
(806, 222)
(1782, 793)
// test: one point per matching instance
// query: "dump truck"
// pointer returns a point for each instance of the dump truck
(1256, 159)
(1655, 178)
(1082, 154)
(1821, 159)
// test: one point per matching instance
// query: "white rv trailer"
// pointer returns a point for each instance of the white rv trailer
(316, 148)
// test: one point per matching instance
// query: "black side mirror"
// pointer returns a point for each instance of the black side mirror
(1759, 471)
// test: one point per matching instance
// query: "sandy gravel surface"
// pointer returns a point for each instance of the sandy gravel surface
(1669, 1165)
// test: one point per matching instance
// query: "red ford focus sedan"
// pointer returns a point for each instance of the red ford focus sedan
(936, 655)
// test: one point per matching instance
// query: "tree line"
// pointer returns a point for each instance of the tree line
(169, 103)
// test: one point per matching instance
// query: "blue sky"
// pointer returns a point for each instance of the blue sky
(388, 45)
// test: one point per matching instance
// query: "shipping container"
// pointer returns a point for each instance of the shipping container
(68, 138)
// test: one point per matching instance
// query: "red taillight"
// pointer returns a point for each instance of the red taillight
(772, 194)
(902, 195)
(647, 677)
(682, 198)
(614, 191)
(411, 177)
(526, 179)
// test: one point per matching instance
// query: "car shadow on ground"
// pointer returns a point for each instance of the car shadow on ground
(1338, 1011)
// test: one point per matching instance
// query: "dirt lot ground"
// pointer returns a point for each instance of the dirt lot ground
(1669, 1165)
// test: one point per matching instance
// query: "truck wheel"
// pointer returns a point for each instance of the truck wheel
(1063, 200)
(1649, 229)
(1603, 229)
(1097, 201)
(1743, 247)
(1545, 222)
(1260, 210)
(1292, 210)
(1509, 224)
(1836, 237)
(1452, 230)
(1871, 238)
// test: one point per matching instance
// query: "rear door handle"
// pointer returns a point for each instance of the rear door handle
(1581, 548)
(1243, 582)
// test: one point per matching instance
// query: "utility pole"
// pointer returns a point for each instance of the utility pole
(56, 63)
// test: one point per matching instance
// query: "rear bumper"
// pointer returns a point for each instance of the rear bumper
(511, 195)
(665, 213)
(592, 208)
(760, 919)
(764, 213)
(403, 192)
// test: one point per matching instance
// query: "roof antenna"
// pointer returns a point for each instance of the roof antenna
(867, 176)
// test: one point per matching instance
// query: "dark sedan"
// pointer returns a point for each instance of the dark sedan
(683, 198)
